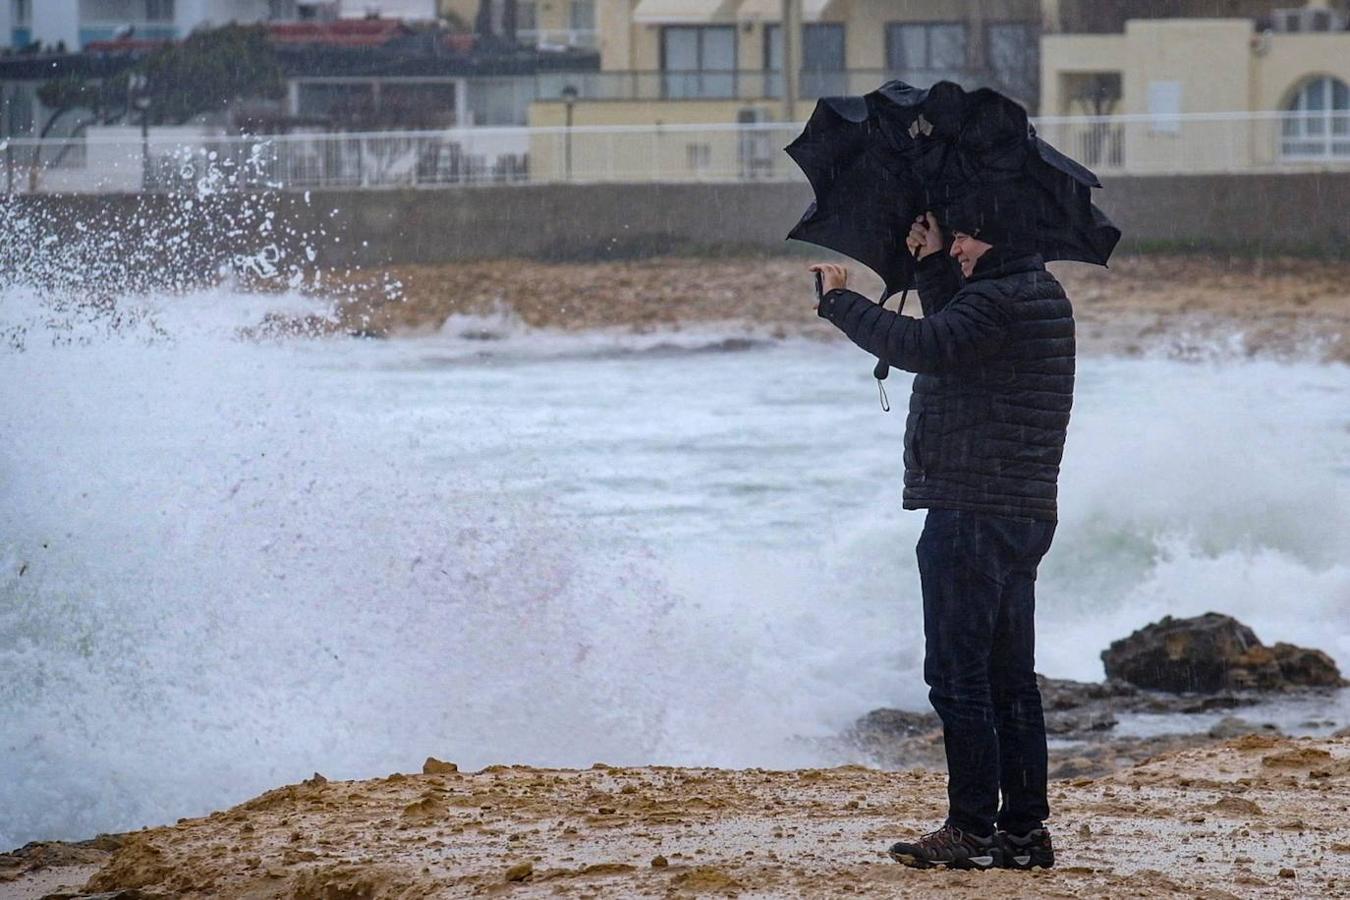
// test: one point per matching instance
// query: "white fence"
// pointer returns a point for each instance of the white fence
(122, 159)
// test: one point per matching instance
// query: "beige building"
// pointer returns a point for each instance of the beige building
(1189, 85)
(542, 23)
(676, 63)
(1203, 94)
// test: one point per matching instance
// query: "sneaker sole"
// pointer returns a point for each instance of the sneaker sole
(1027, 866)
(915, 862)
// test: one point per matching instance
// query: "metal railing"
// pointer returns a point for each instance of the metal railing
(584, 38)
(94, 30)
(118, 160)
(734, 84)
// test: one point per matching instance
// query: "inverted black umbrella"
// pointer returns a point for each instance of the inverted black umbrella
(878, 162)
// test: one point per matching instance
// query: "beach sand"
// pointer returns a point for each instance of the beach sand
(1256, 816)
(1188, 306)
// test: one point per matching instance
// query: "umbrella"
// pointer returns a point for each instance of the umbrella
(879, 161)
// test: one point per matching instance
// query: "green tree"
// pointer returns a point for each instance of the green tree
(205, 73)
(210, 70)
(105, 101)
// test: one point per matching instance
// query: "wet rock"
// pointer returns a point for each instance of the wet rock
(1307, 667)
(1096, 701)
(1236, 806)
(519, 872)
(1064, 694)
(1230, 727)
(897, 738)
(1071, 722)
(434, 766)
(896, 723)
(1213, 653)
(1297, 758)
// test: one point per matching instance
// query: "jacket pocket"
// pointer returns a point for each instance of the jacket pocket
(915, 440)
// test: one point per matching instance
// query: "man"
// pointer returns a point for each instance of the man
(994, 357)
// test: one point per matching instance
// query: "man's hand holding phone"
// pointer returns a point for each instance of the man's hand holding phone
(829, 276)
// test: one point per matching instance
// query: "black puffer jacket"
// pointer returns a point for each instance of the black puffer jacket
(995, 363)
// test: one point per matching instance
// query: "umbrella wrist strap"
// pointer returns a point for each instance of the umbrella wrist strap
(882, 369)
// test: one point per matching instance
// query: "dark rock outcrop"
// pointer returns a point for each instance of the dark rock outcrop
(1214, 653)
(1306, 667)
(1201, 665)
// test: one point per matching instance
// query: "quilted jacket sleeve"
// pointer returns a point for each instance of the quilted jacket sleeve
(969, 327)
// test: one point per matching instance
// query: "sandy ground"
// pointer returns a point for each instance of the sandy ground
(1178, 305)
(1257, 816)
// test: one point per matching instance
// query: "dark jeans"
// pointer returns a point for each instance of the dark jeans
(979, 605)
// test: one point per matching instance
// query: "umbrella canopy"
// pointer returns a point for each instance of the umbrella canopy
(879, 161)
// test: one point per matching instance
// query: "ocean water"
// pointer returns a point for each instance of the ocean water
(227, 564)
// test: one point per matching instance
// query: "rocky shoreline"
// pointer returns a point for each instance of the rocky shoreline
(1256, 815)
(447, 833)
(1081, 721)
(1182, 668)
(1179, 306)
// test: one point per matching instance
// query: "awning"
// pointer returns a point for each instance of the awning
(772, 10)
(681, 12)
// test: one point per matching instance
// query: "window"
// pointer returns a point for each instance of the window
(926, 51)
(336, 99)
(1317, 121)
(822, 64)
(698, 61)
(1014, 57)
(527, 17)
(698, 157)
(1164, 105)
(582, 16)
(159, 10)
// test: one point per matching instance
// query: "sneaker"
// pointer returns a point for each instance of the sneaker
(1028, 851)
(951, 847)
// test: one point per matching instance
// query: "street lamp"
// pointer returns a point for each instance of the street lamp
(138, 87)
(569, 96)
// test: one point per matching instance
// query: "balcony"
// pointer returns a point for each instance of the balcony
(558, 38)
(91, 31)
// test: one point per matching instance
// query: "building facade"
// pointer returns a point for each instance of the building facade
(1272, 91)
(681, 63)
(721, 61)
(74, 24)
(545, 24)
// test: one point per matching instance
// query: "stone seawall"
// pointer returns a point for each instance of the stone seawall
(1297, 213)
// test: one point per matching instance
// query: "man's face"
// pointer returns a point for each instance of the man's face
(967, 251)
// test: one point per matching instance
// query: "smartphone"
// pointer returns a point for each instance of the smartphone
(820, 288)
